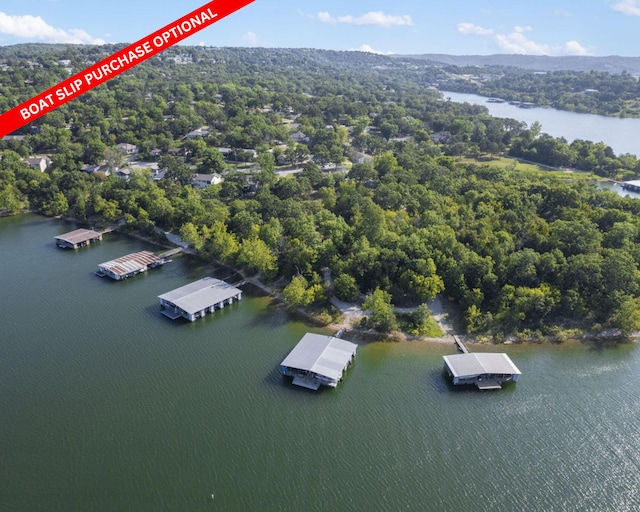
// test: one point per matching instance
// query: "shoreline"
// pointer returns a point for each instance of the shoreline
(352, 312)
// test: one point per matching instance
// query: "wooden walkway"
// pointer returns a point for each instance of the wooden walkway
(460, 346)
(171, 252)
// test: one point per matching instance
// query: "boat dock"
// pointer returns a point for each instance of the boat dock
(195, 300)
(80, 237)
(77, 238)
(318, 360)
(484, 370)
(131, 265)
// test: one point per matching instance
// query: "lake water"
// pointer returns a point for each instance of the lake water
(105, 405)
(619, 133)
(615, 187)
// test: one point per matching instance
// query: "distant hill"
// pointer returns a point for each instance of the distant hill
(612, 64)
(360, 60)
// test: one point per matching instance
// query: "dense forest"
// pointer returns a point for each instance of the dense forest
(593, 92)
(341, 174)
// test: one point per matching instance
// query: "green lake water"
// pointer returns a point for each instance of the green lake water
(105, 405)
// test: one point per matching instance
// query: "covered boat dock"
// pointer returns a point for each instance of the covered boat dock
(633, 186)
(77, 238)
(318, 360)
(130, 265)
(195, 300)
(485, 370)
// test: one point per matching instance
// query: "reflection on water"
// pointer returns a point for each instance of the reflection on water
(107, 405)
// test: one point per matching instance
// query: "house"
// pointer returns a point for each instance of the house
(206, 180)
(177, 151)
(299, 137)
(17, 138)
(200, 132)
(243, 155)
(157, 174)
(127, 149)
(251, 152)
(155, 153)
(40, 163)
(90, 169)
(361, 158)
(124, 173)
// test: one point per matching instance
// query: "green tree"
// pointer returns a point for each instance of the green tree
(190, 234)
(381, 316)
(423, 322)
(298, 293)
(627, 316)
(345, 287)
(255, 256)
(11, 199)
(212, 161)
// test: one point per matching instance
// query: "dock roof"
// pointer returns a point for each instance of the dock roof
(478, 363)
(78, 236)
(134, 262)
(199, 295)
(323, 355)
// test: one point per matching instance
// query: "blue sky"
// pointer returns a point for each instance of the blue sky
(460, 27)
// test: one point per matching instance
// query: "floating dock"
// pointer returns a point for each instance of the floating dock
(77, 238)
(196, 299)
(131, 265)
(318, 360)
(486, 371)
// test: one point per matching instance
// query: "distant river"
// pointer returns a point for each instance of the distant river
(106, 405)
(621, 134)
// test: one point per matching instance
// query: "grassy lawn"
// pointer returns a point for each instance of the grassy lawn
(527, 167)
(430, 329)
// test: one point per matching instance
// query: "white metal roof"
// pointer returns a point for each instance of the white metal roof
(478, 363)
(78, 235)
(200, 294)
(323, 355)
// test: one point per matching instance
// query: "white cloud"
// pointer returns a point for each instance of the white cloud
(517, 41)
(369, 49)
(575, 48)
(630, 7)
(250, 38)
(35, 28)
(470, 28)
(377, 18)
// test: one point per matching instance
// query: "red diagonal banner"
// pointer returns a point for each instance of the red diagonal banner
(118, 63)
